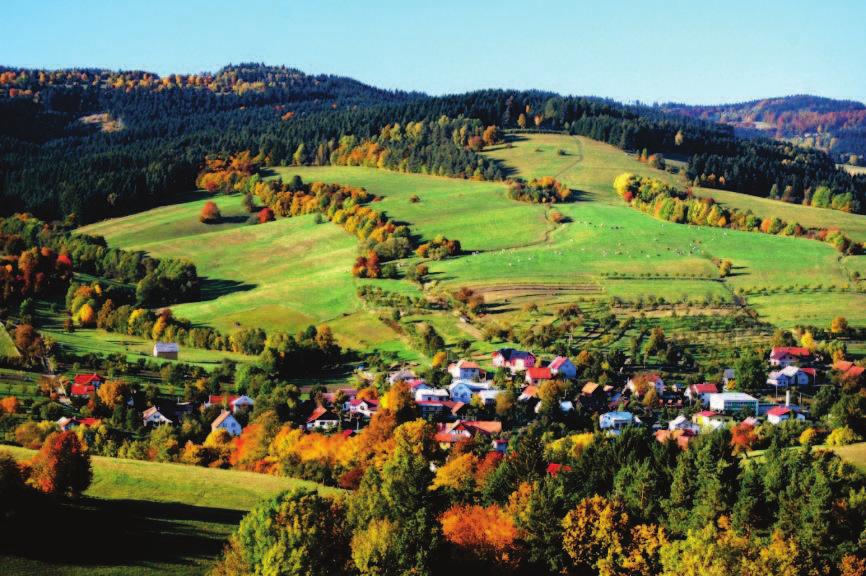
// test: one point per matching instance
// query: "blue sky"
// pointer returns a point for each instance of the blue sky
(705, 51)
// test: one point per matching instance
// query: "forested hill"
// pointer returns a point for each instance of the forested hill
(92, 144)
(837, 126)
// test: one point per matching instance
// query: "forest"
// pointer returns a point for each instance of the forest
(90, 144)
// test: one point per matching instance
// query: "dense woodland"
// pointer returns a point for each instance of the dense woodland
(95, 144)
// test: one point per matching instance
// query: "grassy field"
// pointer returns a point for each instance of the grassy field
(853, 453)
(293, 272)
(142, 518)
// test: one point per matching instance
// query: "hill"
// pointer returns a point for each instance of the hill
(837, 126)
(296, 271)
(144, 518)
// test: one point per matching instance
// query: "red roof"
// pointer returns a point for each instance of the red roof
(319, 412)
(810, 371)
(707, 413)
(798, 351)
(538, 373)
(467, 364)
(83, 389)
(347, 433)
(706, 388)
(83, 379)
(854, 371)
(219, 399)
(89, 421)
(778, 411)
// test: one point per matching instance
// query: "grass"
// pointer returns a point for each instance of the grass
(141, 518)
(854, 454)
(293, 272)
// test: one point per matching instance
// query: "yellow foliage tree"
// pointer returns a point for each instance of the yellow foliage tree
(86, 315)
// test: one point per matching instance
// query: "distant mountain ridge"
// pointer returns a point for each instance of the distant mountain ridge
(836, 126)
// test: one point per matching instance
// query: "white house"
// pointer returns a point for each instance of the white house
(562, 366)
(787, 377)
(787, 355)
(709, 419)
(153, 417)
(365, 407)
(465, 370)
(733, 402)
(779, 414)
(488, 397)
(227, 422)
(683, 423)
(167, 350)
(617, 420)
(322, 419)
(431, 395)
(701, 392)
(461, 391)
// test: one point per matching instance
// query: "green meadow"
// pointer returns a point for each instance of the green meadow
(294, 272)
(7, 346)
(142, 518)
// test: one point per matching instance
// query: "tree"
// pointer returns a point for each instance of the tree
(486, 535)
(113, 393)
(594, 533)
(839, 325)
(61, 467)
(210, 213)
(298, 533)
(750, 371)
(265, 215)
(10, 405)
(521, 120)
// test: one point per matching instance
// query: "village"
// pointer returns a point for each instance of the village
(467, 406)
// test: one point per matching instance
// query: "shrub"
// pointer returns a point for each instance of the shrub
(842, 437)
(210, 213)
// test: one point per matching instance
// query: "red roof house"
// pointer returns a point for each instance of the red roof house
(535, 375)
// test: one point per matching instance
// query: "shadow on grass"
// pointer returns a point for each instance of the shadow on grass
(96, 532)
(213, 288)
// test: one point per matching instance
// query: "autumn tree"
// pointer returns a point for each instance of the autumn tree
(10, 405)
(61, 467)
(839, 325)
(265, 215)
(483, 535)
(210, 213)
(594, 533)
(113, 393)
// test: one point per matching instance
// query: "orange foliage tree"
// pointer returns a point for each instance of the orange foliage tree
(61, 467)
(210, 213)
(486, 534)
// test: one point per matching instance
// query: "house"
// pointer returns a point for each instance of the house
(513, 360)
(153, 417)
(453, 432)
(681, 436)
(779, 414)
(65, 423)
(787, 377)
(416, 384)
(638, 383)
(230, 401)
(683, 423)
(529, 393)
(617, 420)
(86, 384)
(732, 402)
(787, 355)
(848, 370)
(365, 407)
(488, 397)
(167, 350)
(593, 397)
(463, 390)
(227, 422)
(562, 366)
(535, 375)
(322, 419)
(701, 392)
(672, 398)
(431, 395)
(710, 420)
(464, 370)
(399, 375)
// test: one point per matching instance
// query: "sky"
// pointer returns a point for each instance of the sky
(703, 51)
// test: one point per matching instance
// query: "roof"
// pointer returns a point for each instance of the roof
(778, 411)
(510, 354)
(321, 413)
(558, 362)
(220, 419)
(218, 399)
(151, 411)
(87, 378)
(538, 373)
(705, 388)
(89, 421)
(741, 396)
(467, 364)
(589, 388)
(530, 391)
(619, 414)
(485, 426)
(82, 389)
(780, 351)
(790, 370)
(166, 347)
(707, 413)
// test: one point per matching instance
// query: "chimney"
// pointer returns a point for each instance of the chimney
(787, 397)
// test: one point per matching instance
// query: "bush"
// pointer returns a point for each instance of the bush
(842, 437)
(62, 467)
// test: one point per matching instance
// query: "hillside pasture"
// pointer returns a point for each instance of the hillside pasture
(141, 518)
(7, 346)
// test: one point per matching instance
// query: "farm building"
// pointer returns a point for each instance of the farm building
(227, 422)
(322, 419)
(153, 417)
(514, 360)
(168, 350)
(562, 366)
(787, 355)
(787, 377)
